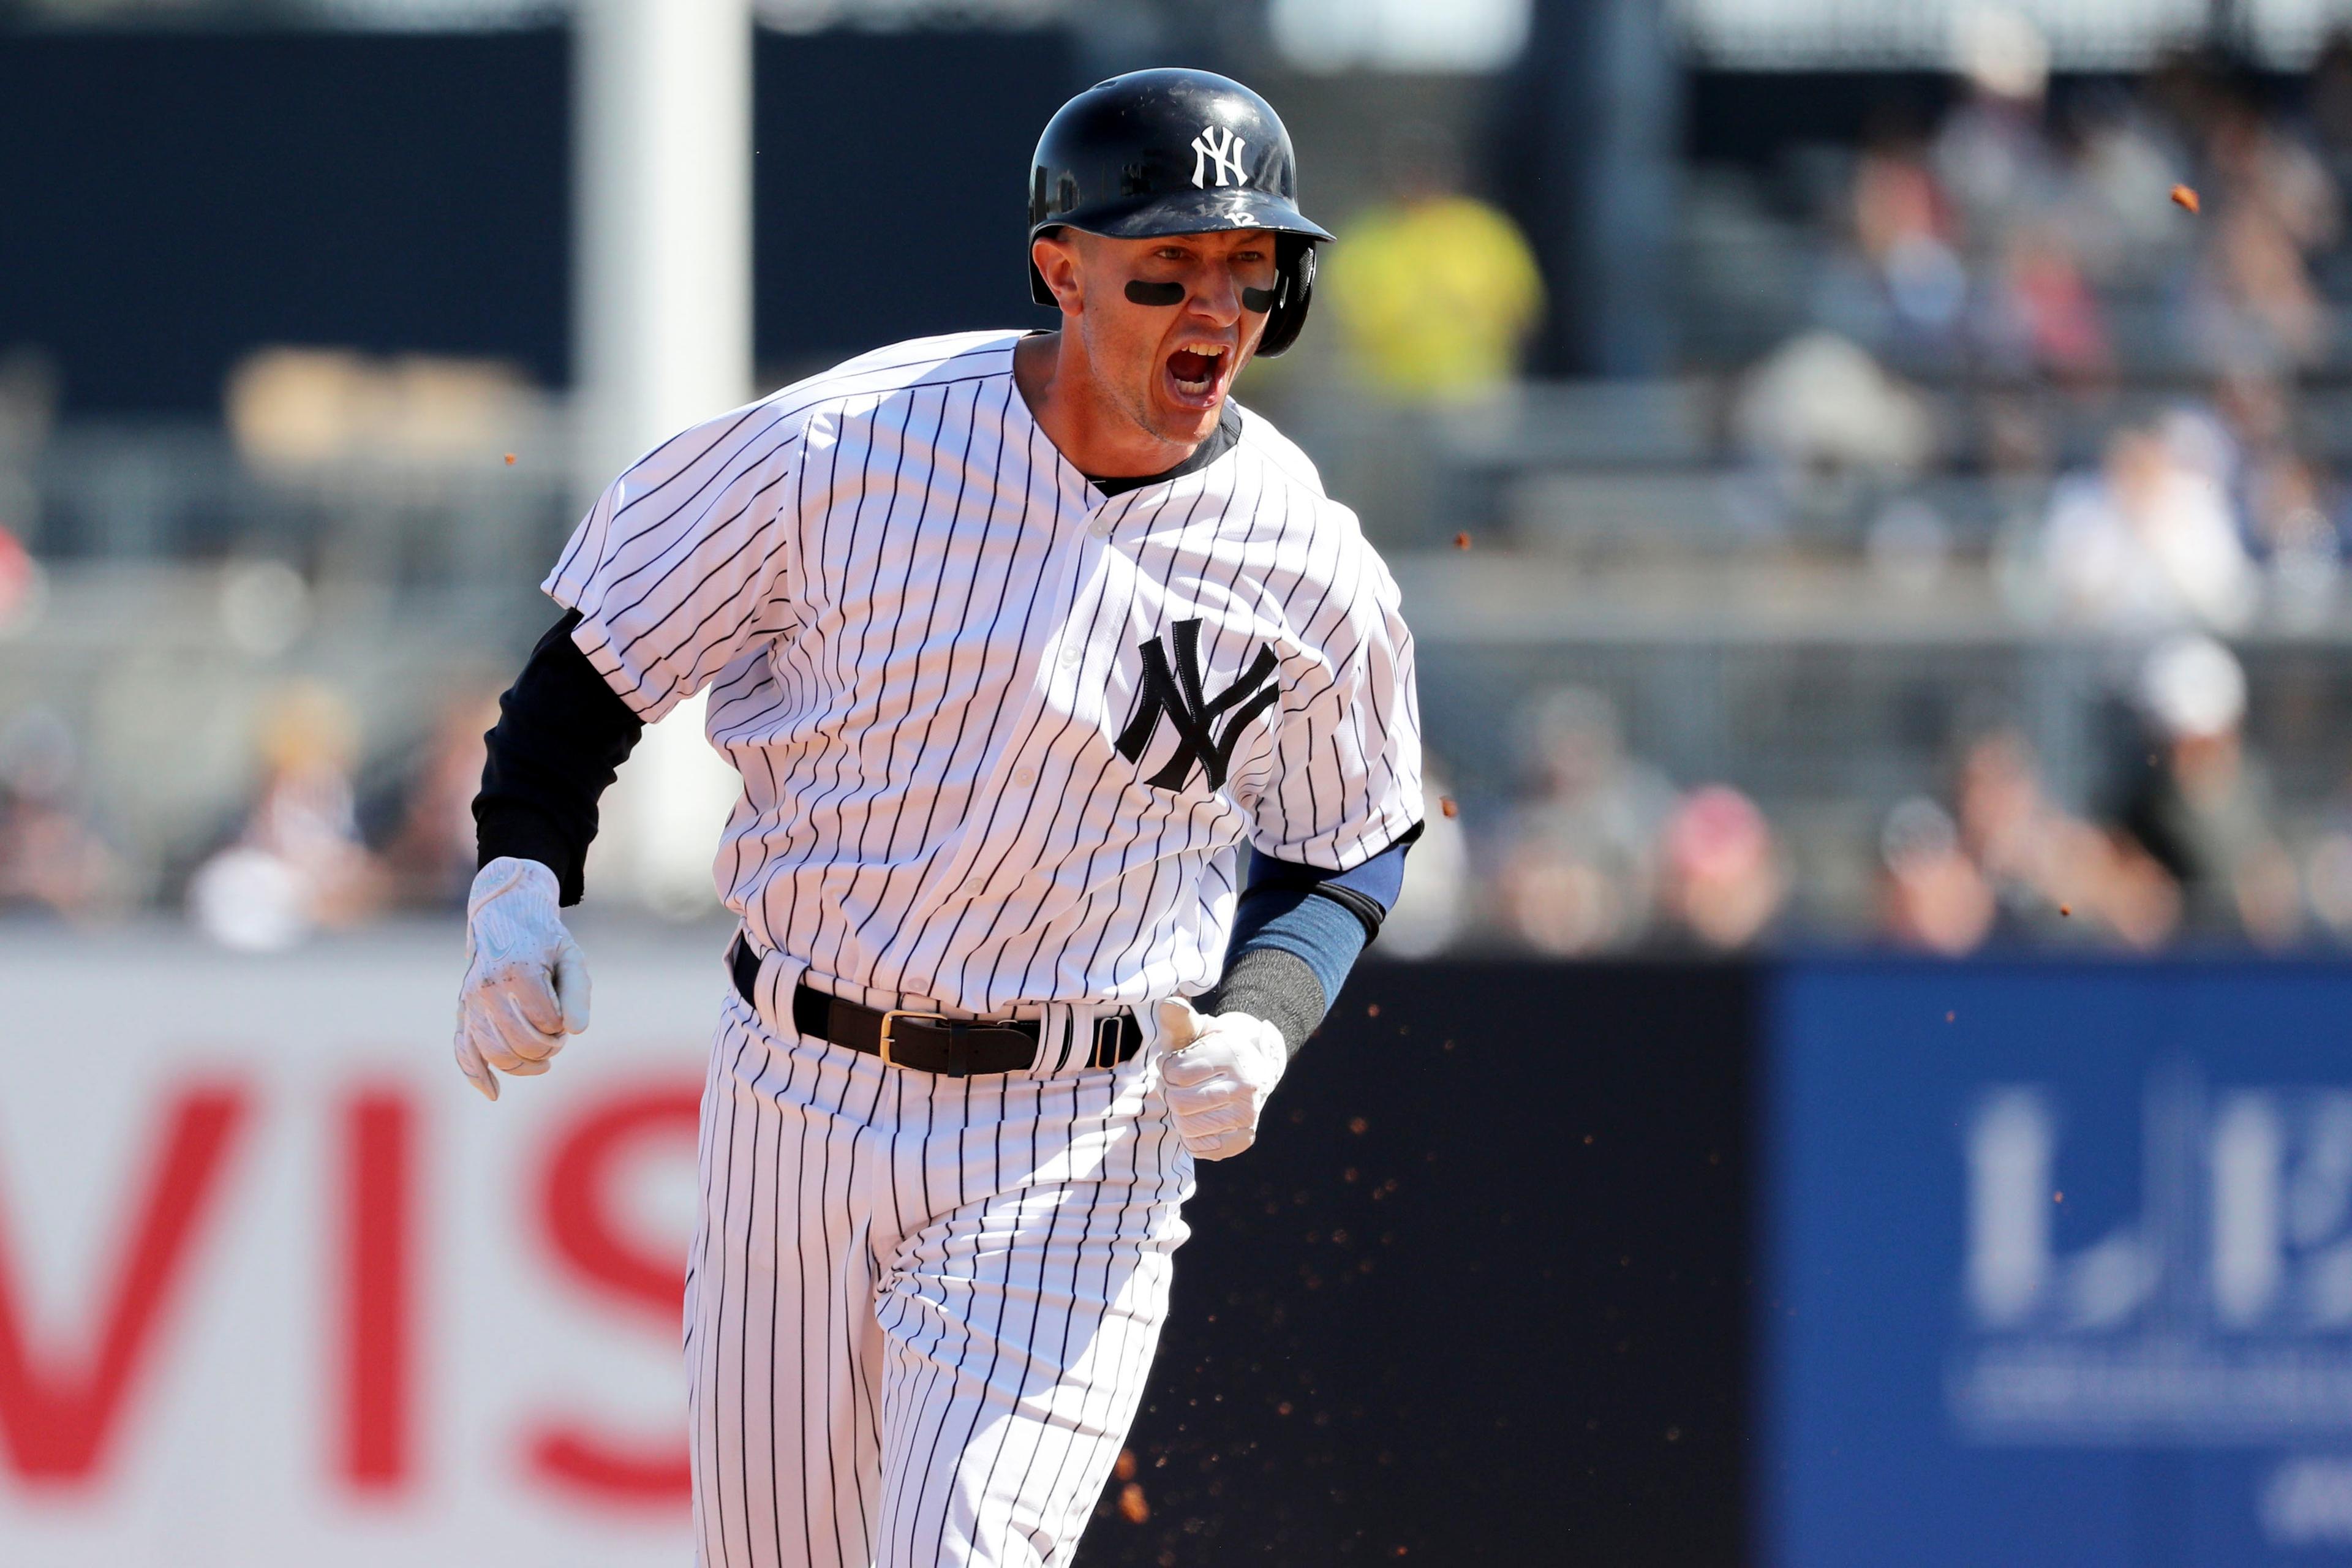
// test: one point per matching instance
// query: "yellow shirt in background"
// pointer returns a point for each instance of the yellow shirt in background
(1435, 297)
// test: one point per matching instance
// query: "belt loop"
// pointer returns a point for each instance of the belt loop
(770, 999)
(1081, 1026)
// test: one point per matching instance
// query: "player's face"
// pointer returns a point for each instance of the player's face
(1167, 367)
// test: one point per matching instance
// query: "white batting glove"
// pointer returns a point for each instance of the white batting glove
(1218, 1073)
(526, 981)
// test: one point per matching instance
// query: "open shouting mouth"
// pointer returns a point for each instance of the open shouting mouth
(1197, 373)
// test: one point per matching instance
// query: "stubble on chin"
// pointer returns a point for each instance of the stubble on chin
(1177, 426)
(1131, 396)
(1186, 429)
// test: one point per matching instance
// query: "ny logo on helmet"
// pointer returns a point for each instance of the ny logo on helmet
(1176, 694)
(1208, 154)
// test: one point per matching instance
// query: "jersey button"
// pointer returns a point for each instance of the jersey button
(1071, 654)
(1099, 528)
(1025, 777)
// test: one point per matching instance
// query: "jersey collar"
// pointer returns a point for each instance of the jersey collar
(1093, 495)
(1221, 440)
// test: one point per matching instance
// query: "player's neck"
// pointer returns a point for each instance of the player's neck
(1086, 426)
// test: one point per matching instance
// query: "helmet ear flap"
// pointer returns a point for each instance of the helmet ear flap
(1294, 290)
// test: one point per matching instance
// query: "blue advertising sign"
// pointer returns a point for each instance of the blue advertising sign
(2058, 1265)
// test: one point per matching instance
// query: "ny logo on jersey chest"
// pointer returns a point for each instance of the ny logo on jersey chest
(1225, 156)
(1176, 693)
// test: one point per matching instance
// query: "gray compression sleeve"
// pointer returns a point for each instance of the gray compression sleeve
(1270, 983)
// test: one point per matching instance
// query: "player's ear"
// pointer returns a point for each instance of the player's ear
(1057, 263)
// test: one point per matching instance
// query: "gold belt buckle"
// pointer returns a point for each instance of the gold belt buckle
(890, 1013)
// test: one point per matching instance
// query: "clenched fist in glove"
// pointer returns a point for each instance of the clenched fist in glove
(1218, 1072)
(526, 983)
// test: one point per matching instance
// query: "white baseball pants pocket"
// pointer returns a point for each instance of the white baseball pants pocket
(921, 1309)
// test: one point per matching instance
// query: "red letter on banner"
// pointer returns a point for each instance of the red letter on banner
(379, 1361)
(56, 1417)
(577, 1205)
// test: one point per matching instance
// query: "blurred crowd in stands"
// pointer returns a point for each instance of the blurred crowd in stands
(1600, 853)
(1593, 851)
(2118, 316)
(2114, 311)
(326, 840)
(2015, 236)
(2119, 311)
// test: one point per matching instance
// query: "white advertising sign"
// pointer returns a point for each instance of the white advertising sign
(277, 1286)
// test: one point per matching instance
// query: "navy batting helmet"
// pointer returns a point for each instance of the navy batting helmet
(1176, 152)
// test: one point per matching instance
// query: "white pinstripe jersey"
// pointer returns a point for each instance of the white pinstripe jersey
(926, 636)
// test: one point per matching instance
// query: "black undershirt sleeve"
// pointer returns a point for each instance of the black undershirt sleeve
(562, 735)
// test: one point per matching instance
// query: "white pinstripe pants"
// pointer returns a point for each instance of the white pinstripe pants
(921, 1309)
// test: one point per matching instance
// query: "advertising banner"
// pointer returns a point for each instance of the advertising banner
(2059, 1266)
(277, 1286)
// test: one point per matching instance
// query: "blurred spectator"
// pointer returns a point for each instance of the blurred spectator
(1431, 910)
(49, 857)
(2147, 543)
(298, 863)
(1982, 250)
(2045, 316)
(2284, 498)
(24, 587)
(1903, 234)
(2116, 207)
(1580, 856)
(2254, 411)
(2296, 541)
(2261, 166)
(1822, 402)
(1434, 290)
(424, 824)
(1723, 877)
(2204, 811)
(1932, 896)
(1991, 153)
(2053, 876)
(1821, 418)
(2256, 305)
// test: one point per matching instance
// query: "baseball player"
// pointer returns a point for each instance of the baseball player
(1016, 640)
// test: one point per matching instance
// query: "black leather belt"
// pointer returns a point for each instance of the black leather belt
(929, 1042)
